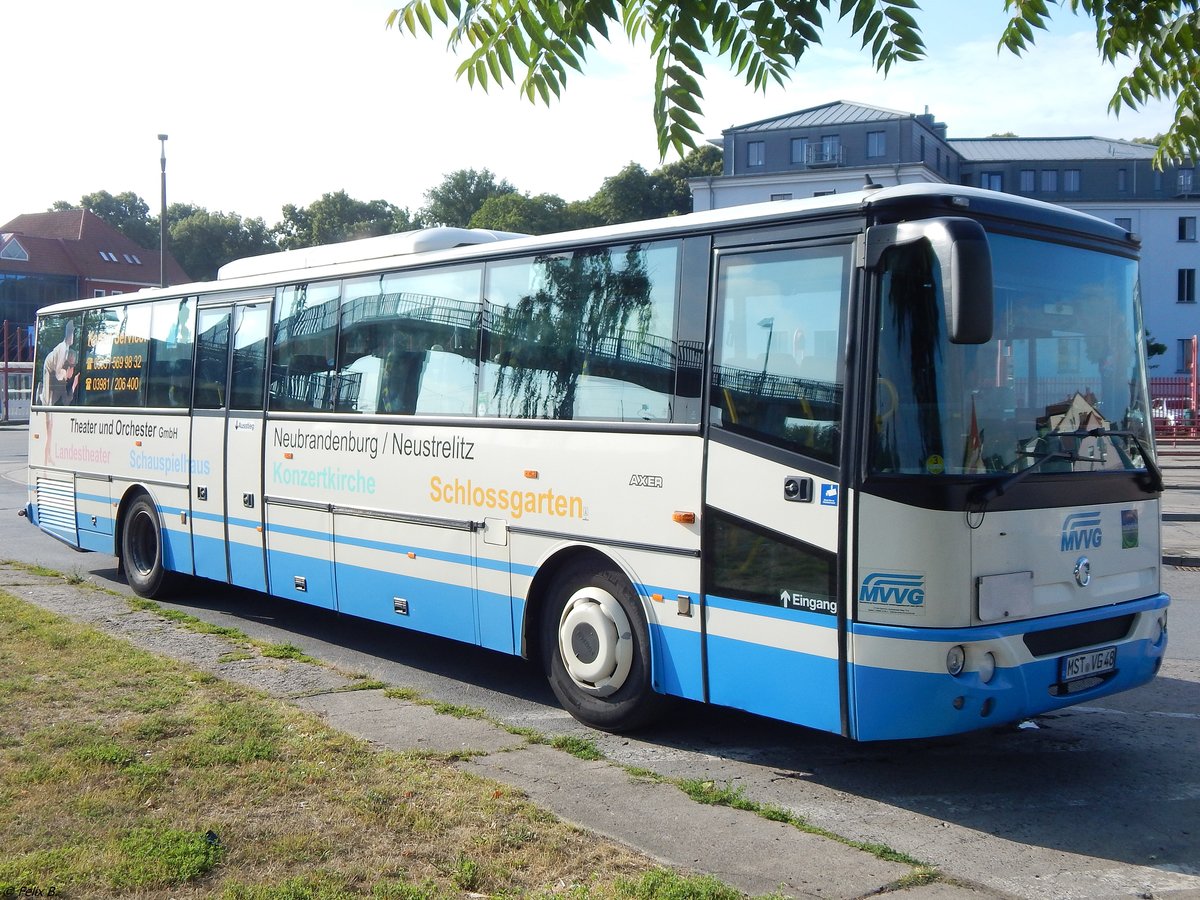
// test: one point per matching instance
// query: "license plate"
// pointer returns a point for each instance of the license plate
(1084, 665)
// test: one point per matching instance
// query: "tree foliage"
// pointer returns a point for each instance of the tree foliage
(338, 217)
(536, 43)
(203, 241)
(1162, 40)
(543, 214)
(460, 195)
(126, 212)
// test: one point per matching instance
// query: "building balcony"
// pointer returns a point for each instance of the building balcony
(824, 157)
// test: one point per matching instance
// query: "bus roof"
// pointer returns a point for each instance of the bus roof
(447, 244)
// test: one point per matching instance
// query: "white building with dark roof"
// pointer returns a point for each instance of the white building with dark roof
(839, 146)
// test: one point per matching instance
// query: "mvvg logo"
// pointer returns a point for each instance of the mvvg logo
(893, 589)
(1081, 531)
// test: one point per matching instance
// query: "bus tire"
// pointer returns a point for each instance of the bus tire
(596, 649)
(142, 549)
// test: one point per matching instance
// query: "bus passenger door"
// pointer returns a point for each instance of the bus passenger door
(771, 517)
(227, 443)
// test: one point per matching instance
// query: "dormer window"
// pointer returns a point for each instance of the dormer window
(10, 248)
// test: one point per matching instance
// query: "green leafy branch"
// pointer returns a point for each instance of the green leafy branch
(1161, 38)
(534, 43)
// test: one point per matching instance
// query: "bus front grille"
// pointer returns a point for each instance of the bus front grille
(1071, 637)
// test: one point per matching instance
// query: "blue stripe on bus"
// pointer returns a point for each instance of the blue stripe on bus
(784, 684)
(675, 662)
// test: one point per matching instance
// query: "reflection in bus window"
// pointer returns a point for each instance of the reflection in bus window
(212, 358)
(117, 340)
(409, 343)
(778, 369)
(582, 335)
(305, 347)
(253, 324)
(169, 357)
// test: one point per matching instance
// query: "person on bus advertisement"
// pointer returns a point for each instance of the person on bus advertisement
(60, 379)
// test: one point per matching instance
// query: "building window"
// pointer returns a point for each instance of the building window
(800, 150)
(1127, 224)
(1071, 181)
(1186, 178)
(1185, 354)
(1122, 180)
(922, 148)
(992, 181)
(786, 196)
(1068, 355)
(1028, 181)
(1187, 286)
(1187, 228)
(14, 251)
(1050, 181)
(756, 153)
(876, 144)
(97, 293)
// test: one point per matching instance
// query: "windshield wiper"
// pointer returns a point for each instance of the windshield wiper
(1151, 482)
(984, 495)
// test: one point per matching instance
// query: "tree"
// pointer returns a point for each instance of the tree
(460, 195)
(126, 212)
(1153, 348)
(543, 214)
(1161, 36)
(338, 217)
(633, 193)
(204, 241)
(535, 43)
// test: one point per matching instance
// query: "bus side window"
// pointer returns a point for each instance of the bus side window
(212, 358)
(169, 356)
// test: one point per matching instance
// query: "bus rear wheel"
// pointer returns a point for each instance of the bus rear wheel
(596, 649)
(142, 549)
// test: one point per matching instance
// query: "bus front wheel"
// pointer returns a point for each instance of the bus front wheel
(142, 549)
(596, 649)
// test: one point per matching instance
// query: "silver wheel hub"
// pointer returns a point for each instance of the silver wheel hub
(596, 641)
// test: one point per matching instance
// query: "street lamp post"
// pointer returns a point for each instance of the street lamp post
(162, 219)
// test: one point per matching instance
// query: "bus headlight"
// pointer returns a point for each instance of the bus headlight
(1160, 627)
(987, 667)
(956, 658)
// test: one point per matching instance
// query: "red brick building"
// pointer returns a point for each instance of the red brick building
(67, 254)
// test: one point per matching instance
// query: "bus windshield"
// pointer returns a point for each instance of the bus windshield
(1060, 386)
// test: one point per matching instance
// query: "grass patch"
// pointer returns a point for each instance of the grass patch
(661, 884)
(582, 748)
(402, 693)
(284, 651)
(456, 710)
(711, 793)
(122, 773)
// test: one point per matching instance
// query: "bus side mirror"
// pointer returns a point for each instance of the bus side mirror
(961, 249)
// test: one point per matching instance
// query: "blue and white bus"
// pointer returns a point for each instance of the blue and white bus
(878, 463)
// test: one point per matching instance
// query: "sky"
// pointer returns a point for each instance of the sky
(270, 102)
